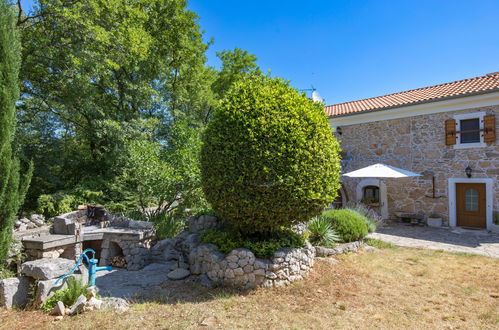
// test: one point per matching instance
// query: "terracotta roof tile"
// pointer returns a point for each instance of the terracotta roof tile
(481, 84)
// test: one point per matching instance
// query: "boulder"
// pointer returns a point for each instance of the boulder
(78, 306)
(46, 289)
(47, 268)
(14, 291)
(92, 292)
(22, 227)
(24, 220)
(119, 305)
(59, 309)
(178, 274)
(93, 304)
(37, 217)
(65, 226)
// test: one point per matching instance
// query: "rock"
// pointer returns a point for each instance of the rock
(329, 259)
(161, 245)
(59, 318)
(369, 248)
(46, 289)
(31, 225)
(78, 306)
(205, 281)
(46, 269)
(178, 274)
(17, 223)
(38, 222)
(209, 322)
(116, 304)
(93, 304)
(92, 292)
(25, 221)
(37, 218)
(59, 309)
(64, 226)
(22, 227)
(14, 291)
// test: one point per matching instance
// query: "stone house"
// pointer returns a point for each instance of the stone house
(447, 133)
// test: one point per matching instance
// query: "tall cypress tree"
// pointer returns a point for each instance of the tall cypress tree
(11, 191)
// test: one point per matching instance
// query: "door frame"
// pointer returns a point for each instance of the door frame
(382, 194)
(489, 184)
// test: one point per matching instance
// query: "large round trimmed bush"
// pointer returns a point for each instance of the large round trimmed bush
(351, 226)
(269, 157)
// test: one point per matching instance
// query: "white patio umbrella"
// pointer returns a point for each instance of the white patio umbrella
(381, 171)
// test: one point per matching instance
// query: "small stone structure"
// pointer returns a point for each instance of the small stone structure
(70, 235)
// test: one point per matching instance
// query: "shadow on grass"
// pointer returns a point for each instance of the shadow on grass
(154, 286)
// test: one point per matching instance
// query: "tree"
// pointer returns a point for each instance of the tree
(164, 175)
(269, 158)
(11, 189)
(235, 65)
(92, 66)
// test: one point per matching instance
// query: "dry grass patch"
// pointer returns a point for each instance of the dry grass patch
(386, 289)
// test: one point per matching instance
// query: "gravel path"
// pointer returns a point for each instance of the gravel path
(453, 240)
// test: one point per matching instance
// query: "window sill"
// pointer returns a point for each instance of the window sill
(470, 145)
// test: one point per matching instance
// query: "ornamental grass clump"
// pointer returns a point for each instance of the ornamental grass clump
(349, 225)
(269, 158)
(321, 232)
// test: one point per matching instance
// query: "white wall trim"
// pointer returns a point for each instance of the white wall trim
(462, 103)
(489, 194)
(463, 116)
(383, 200)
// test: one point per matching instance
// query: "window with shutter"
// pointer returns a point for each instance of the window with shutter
(470, 130)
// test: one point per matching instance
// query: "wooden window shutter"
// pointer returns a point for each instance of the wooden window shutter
(450, 132)
(489, 126)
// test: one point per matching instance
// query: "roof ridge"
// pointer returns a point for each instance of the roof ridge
(419, 88)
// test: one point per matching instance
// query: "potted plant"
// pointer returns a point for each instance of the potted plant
(434, 220)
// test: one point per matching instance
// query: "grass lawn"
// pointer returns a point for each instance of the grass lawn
(390, 288)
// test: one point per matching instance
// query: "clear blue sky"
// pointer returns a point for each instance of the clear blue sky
(350, 50)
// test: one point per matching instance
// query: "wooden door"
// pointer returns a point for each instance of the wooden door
(470, 204)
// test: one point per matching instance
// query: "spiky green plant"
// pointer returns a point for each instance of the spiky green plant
(322, 232)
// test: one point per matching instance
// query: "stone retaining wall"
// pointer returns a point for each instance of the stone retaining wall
(241, 268)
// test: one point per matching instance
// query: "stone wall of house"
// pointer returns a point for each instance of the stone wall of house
(417, 144)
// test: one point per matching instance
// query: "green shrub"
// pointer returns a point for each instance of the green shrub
(167, 225)
(262, 247)
(64, 202)
(68, 296)
(269, 157)
(322, 232)
(371, 217)
(55, 204)
(349, 225)
(6, 273)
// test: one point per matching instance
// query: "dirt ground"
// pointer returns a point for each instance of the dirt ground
(389, 288)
